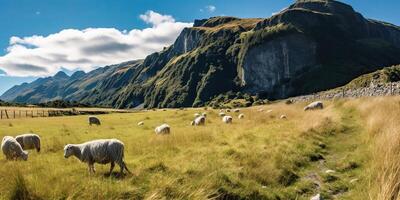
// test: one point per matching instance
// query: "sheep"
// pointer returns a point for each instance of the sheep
(163, 129)
(141, 123)
(314, 105)
(12, 149)
(269, 111)
(283, 117)
(196, 115)
(29, 141)
(94, 120)
(236, 110)
(199, 121)
(101, 151)
(260, 110)
(221, 114)
(241, 116)
(227, 119)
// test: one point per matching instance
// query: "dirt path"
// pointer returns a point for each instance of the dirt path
(339, 175)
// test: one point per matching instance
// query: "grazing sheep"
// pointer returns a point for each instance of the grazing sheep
(241, 116)
(196, 115)
(94, 120)
(29, 141)
(268, 111)
(12, 149)
(102, 151)
(227, 119)
(199, 121)
(283, 117)
(221, 114)
(314, 105)
(163, 129)
(140, 123)
(192, 123)
(260, 110)
(236, 110)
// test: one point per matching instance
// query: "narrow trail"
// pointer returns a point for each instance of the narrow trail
(338, 174)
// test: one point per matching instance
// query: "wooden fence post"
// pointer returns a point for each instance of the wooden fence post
(6, 114)
(1, 114)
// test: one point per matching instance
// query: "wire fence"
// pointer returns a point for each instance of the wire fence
(32, 113)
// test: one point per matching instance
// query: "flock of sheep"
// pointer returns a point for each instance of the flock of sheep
(106, 151)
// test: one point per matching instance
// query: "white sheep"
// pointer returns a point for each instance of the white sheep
(94, 120)
(269, 111)
(163, 129)
(12, 149)
(199, 121)
(236, 110)
(101, 151)
(260, 110)
(29, 141)
(283, 117)
(241, 116)
(227, 119)
(314, 105)
(221, 114)
(141, 123)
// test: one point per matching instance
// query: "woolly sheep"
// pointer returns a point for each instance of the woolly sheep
(314, 105)
(268, 111)
(227, 119)
(260, 110)
(241, 116)
(283, 117)
(163, 129)
(199, 121)
(101, 151)
(221, 114)
(94, 120)
(140, 123)
(29, 141)
(236, 110)
(12, 149)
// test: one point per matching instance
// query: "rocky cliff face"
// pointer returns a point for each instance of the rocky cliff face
(268, 67)
(312, 45)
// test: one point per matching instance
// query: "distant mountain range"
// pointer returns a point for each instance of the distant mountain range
(312, 45)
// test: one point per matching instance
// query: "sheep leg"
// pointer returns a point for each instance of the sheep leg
(112, 167)
(91, 168)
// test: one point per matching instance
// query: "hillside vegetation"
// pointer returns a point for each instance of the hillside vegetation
(259, 157)
(311, 46)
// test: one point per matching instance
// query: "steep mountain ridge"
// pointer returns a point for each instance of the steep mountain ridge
(310, 46)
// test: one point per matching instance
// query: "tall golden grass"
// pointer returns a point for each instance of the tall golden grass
(381, 120)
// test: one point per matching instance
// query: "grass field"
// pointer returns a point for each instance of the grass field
(259, 157)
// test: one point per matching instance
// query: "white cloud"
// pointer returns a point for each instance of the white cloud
(209, 8)
(87, 49)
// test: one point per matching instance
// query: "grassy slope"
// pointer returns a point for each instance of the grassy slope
(260, 157)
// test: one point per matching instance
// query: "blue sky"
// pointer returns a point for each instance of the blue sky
(26, 18)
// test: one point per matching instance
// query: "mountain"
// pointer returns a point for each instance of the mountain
(310, 46)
